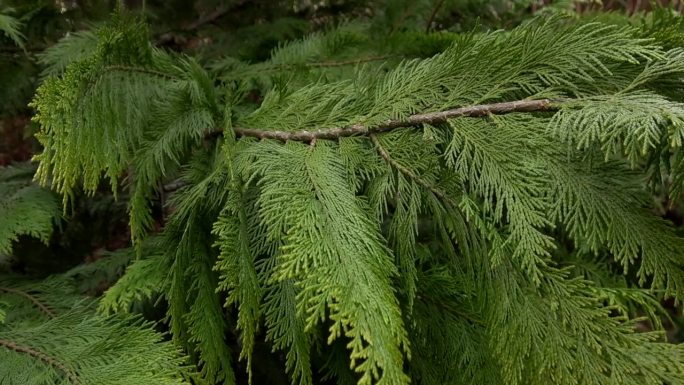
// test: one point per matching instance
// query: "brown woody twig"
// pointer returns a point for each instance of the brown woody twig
(71, 376)
(404, 170)
(392, 124)
(388, 125)
(43, 308)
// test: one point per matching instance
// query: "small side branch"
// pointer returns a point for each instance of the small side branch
(71, 376)
(343, 63)
(404, 170)
(275, 68)
(35, 301)
(433, 14)
(142, 70)
(392, 124)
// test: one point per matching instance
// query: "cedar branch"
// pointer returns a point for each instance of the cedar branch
(71, 376)
(392, 124)
(389, 125)
(31, 298)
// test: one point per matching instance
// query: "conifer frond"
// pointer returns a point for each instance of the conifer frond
(490, 156)
(616, 290)
(101, 104)
(634, 123)
(71, 48)
(52, 335)
(363, 165)
(205, 319)
(596, 348)
(316, 47)
(144, 279)
(632, 302)
(333, 250)
(406, 185)
(195, 313)
(449, 340)
(181, 118)
(25, 208)
(40, 303)
(665, 25)
(603, 205)
(660, 75)
(236, 262)
(238, 273)
(309, 58)
(11, 27)
(475, 69)
(286, 329)
(78, 348)
(241, 237)
(178, 290)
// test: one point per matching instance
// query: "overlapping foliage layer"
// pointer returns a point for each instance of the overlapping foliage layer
(51, 334)
(517, 248)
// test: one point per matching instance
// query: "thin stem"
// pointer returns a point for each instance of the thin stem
(435, 9)
(261, 69)
(404, 170)
(141, 70)
(343, 63)
(43, 308)
(123, 68)
(392, 124)
(71, 375)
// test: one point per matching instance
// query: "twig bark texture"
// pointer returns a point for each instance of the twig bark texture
(391, 124)
(70, 375)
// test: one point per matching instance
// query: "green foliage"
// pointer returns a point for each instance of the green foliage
(71, 48)
(665, 25)
(485, 249)
(144, 279)
(334, 251)
(51, 334)
(565, 313)
(25, 208)
(238, 275)
(11, 27)
(106, 118)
